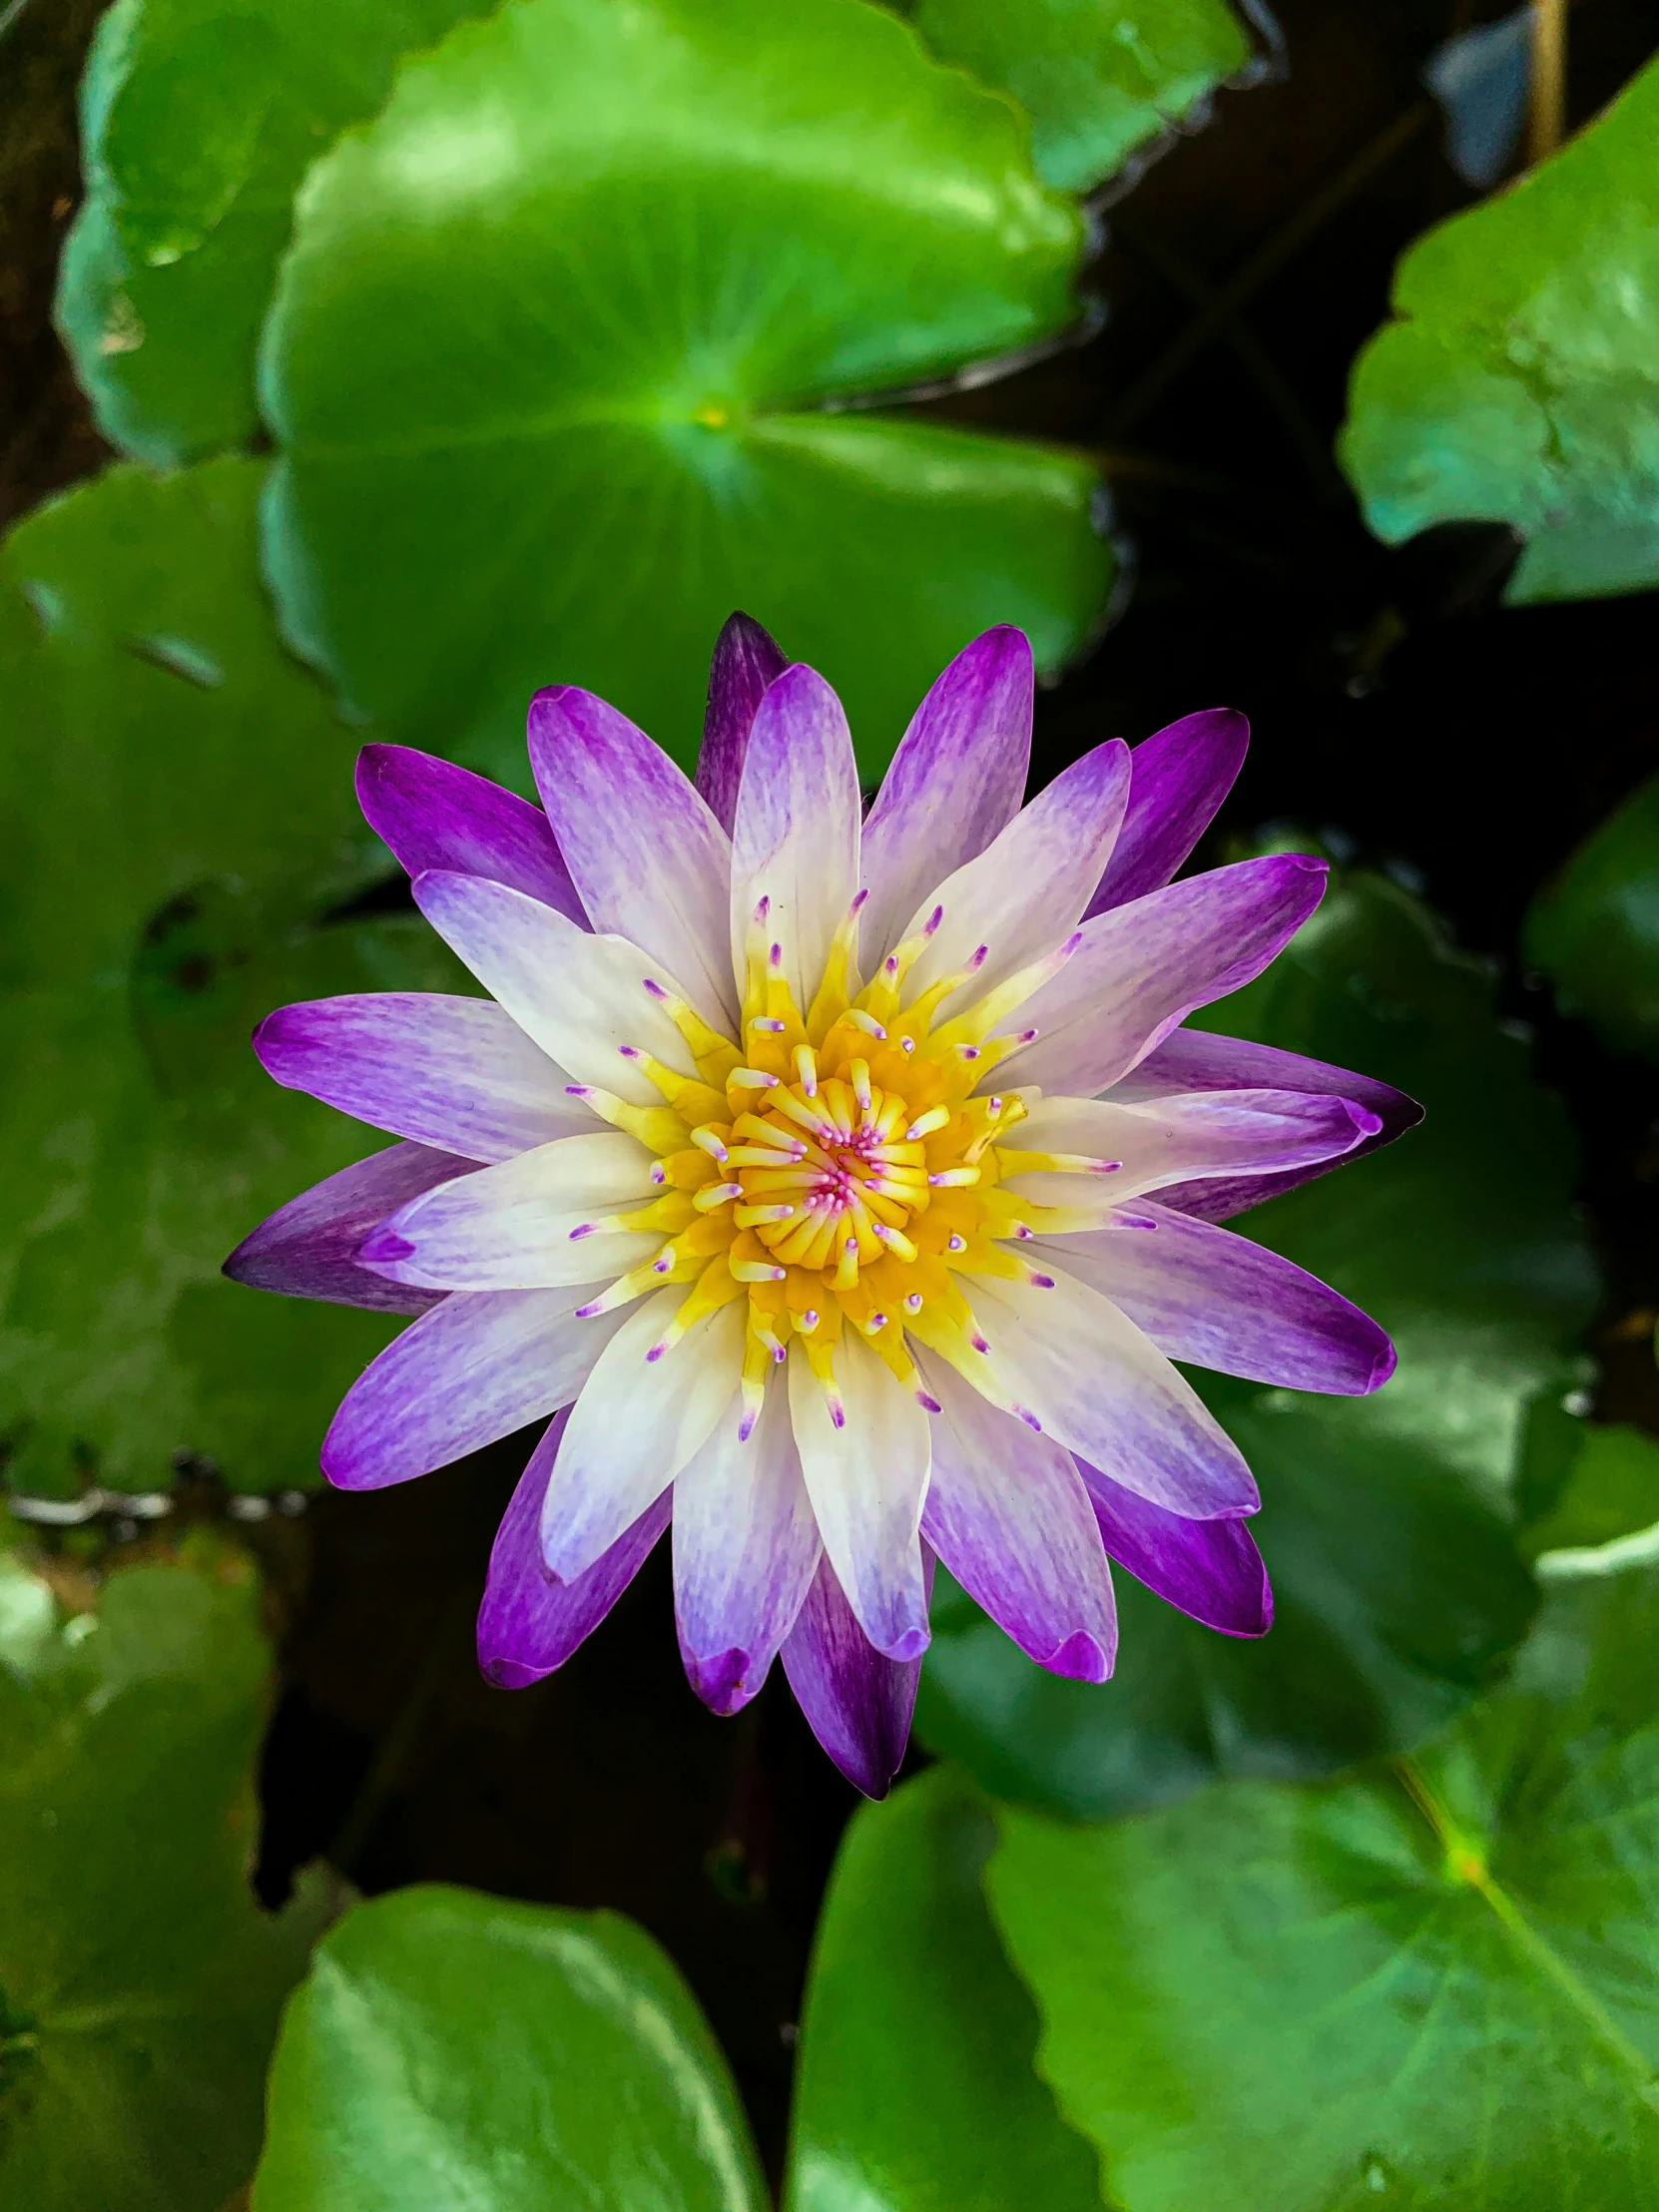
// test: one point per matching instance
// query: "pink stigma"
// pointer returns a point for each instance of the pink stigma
(1043, 1282)
(1030, 1420)
(586, 1230)
(933, 921)
(655, 988)
(586, 1312)
(628, 1051)
(978, 1342)
(654, 1354)
(837, 1415)
(928, 1405)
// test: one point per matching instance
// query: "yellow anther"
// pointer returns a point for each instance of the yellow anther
(657, 1127)
(713, 1053)
(805, 1069)
(716, 1194)
(977, 1024)
(692, 1101)
(841, 975)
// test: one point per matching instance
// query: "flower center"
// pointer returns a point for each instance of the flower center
(837, 1174)
(834, 1167)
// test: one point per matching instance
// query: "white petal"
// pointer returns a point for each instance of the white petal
(581, 997)
(867, 1481)
(1008, 1515)
(1025, 894)
(1069, 1364)
(746, 1548)
(635, 1425)
(956, 780)
(1191, 1137)
(649, 860)
(794, 841)
(514, 1226)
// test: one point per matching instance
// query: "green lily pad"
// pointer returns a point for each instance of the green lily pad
(1386, 1522)
(1099, 80)
(464, 2054)
(197, 120)
(559, 372)
(180, 813)
(913, 2089)
(139, 1983)
(1594, 930)
(1430, 1984)
(1611, 1493)
(1518, 383)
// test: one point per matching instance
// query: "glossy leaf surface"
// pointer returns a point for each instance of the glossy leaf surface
(1596, 929)
(199, 119)
(139, 1982)
(1386, 1520)
(915, 2090)
(1611, 1493)
(1101, 81)
(465, 2053)
(548, 359)
(1432, 1985)
(1518, 383)
(178, 806)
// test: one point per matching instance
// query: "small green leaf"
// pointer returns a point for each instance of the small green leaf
(460, 2054)
(198, 122)
(1612, 1492)
(1596, 929)
(180, 815)
(139, 1982)
(555, 365)
(915, 2090)
(1432, 1985)
(1098, 81)
(1385, 1521)
(1519, 383)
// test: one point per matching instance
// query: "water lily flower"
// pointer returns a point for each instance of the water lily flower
(844, 1187)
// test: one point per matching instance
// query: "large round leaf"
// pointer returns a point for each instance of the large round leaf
(1595, 930)
(1520, 383)
(915, 2090)
(460, 2054)
(1386, 1522)
(197, 120)
(139, 1982)
(1098, 81)
(546, 355)
(1431, 1985)
(179, 810)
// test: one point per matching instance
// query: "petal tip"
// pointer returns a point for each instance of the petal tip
(1080, 1658)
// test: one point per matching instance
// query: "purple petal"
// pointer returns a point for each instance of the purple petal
(1072, 1366)
(1021, 898)
(471, 1370)
(1210, 1568)
(649, 860)
(1198, 1059)
(454, 1073)
(1187, 1135)
(308, 1248)
(436, 815)
(1008, 1515)
(1142, 968)
(955, 782)
(857, 1704)
(1214, 1298)
(581, 997)
(639, 1421)
(746, 659)
(795, 841)
(746, 1547)
(529, 1622)
(1177, 780)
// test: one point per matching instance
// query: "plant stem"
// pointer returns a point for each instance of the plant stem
(1547, 113)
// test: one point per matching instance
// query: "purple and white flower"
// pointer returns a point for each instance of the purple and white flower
(842, 1186)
